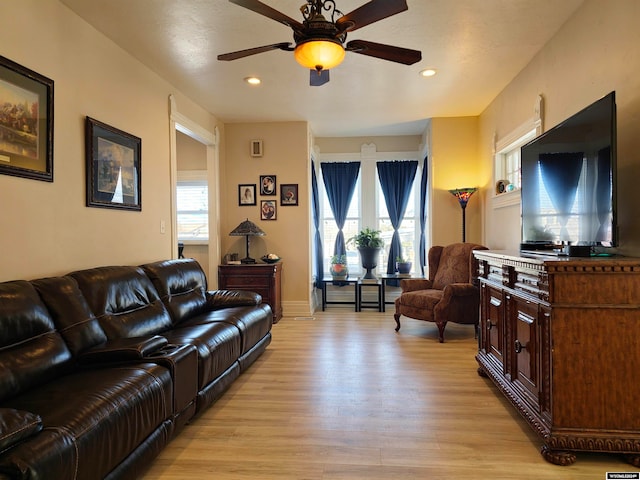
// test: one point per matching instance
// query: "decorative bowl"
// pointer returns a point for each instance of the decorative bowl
(266, 259)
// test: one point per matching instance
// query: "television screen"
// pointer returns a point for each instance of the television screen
(569, 180)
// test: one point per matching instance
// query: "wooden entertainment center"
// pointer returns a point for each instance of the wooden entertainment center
(560, 337)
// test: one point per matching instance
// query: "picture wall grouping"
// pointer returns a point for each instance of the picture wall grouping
(268, 187)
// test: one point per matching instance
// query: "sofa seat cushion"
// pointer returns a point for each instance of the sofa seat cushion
(217, 345)
(92, 420)
(253, 323)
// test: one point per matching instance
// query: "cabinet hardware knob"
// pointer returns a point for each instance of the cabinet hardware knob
(519, 347)
(490, 325)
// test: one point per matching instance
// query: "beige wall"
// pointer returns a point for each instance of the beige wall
(286, 155)
(46, 227)
(453, 161)
(595, 52)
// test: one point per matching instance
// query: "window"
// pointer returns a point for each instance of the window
(508, 160)
(368, 209)
(192, 198)
(507, 157)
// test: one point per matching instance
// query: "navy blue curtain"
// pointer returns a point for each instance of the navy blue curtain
(340, 183)
(561, 174)
(318, 265)
(396, 179)
(423, 216)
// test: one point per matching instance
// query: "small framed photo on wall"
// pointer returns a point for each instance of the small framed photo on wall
(268, 210)
(267, 185)
(289, 194)
(246, 194)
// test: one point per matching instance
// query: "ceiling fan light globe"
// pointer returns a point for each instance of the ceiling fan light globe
(319, 54)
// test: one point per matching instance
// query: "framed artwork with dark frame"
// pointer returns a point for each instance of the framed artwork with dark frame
(268, 185)
(288, 194)
(113, 159)
(246, 194)
(268, 210)
(26, 122)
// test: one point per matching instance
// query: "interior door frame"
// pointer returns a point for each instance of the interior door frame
(181, 123)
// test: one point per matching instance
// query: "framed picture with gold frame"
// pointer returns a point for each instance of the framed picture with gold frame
(26, 122)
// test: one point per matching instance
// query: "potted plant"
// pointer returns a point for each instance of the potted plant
(403, 266)
(369, 242)
(339, 270)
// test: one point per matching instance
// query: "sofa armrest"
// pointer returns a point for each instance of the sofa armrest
(413, 284)
(16, 425)
(123, 349)
(232, 298)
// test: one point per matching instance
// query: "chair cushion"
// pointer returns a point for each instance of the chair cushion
(453, 266)
(423, 299)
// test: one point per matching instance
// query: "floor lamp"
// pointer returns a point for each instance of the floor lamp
(463, 195)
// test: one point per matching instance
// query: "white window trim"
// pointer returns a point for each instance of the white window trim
(518, 137)
(368, 157)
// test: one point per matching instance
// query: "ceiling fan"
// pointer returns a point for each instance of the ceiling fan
(320, 43)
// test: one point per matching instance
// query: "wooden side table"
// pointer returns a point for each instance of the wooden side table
(262, 278)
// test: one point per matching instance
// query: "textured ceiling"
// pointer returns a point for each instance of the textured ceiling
(477, 46)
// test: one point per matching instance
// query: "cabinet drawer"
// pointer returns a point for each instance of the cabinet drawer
(245, 282)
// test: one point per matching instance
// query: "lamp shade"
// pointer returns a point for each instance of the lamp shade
(319, 54)
(247, 228)
(463, 195)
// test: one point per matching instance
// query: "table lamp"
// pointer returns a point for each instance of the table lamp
(247, 229)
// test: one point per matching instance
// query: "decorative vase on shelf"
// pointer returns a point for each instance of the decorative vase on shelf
(339, 269)
(403, 268)
(369, 258)
(369, 243)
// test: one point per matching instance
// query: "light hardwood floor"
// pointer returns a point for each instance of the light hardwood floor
(342, 396)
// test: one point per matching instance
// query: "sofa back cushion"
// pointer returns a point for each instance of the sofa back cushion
(182, 285)
(32, 352)
(71, 314)
(123, 300)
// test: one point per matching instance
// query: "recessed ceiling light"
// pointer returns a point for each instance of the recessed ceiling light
(428, 72)
(253, 80)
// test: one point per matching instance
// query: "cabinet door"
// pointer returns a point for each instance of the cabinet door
(525, 347)
(492, 302)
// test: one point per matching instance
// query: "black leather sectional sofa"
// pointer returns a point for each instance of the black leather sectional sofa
(100, 368)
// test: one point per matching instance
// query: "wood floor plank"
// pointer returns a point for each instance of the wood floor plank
(343, 396)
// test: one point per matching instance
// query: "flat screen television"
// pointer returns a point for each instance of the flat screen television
(568, 194)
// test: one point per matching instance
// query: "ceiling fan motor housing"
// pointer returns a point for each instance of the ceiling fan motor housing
(315, 35)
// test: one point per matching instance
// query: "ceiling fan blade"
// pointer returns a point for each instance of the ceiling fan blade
(318, 78)
(267, 11)
(252, 51)
(385, 52)
(369, 13)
